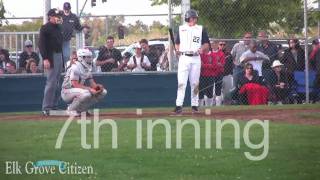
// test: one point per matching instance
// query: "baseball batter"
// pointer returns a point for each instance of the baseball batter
(190, 42)
(79, 88)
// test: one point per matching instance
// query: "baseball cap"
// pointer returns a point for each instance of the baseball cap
(54, 12)
(127, 55)
(276, 63)
(66, 6)
(28, 43)
(137, 46)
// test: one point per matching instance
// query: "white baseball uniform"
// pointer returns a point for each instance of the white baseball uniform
(190, 39)
(81, 99)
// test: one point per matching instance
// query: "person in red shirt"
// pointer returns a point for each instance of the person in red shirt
(251, 88)
(212, 69)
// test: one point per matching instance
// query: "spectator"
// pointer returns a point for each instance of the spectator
(32, 67)
(70, 23)
(228, 66)
(227, 82)
(293, 59)
(152, 55)
(163, 64)
(268, 48)
(4, 58)
(108, 56)
(315, 56)
(251, 89)
(315, 61)
(139, 62)
(249, 76)
(124, 63)
(236, 52)
(73, 58)
(27, 54)
(212, 68)
(277, 82)
(11, 67)
(86, 33)
(254, 57)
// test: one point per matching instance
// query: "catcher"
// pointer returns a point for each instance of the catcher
(79, 88)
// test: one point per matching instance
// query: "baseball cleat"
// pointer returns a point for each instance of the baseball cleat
(195, 110)
(73, 113)
(88, 114)
(45, 113)
(177, 110)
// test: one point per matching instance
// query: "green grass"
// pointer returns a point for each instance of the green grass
(293, 154)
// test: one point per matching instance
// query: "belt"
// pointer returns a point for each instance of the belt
(190, 53)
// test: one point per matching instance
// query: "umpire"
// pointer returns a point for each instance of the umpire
(50, 45)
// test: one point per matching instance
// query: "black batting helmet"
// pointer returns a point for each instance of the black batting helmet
(191, 13)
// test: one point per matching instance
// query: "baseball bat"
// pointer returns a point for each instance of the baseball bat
(176, 53)
(172, 39)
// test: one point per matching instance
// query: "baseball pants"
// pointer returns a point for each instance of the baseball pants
(188, 68)
(207, 83)
(81, 99)
(51, 91)
(66, 53)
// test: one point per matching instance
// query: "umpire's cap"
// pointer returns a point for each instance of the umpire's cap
(54, 12)
(191, 13)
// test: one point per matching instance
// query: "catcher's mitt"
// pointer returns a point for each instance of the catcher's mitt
(99, 88)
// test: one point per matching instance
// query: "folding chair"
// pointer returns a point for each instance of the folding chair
(300, 85)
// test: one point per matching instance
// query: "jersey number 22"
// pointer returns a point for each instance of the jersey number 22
(196, 39)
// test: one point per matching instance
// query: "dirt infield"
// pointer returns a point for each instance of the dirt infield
(293, 116)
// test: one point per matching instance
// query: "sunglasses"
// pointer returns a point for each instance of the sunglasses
(222, 44)
(29, 46)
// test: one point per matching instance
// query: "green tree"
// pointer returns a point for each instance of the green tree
(230, 18)
(160, 2)
(33, 25)
(157, 26)
(138, 28)
(2, 12)
(98, 32)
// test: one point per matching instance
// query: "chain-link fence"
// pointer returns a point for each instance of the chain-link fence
(257, 54)
(268, 64)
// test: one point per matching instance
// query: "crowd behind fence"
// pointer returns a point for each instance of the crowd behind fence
(231, 86)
